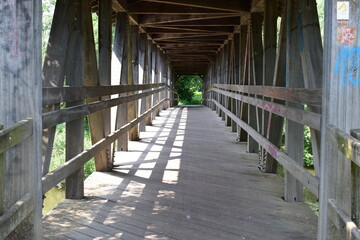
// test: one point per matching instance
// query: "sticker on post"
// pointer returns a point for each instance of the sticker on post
(343, 10)
(346, 34)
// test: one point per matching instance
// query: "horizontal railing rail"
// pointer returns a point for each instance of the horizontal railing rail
(53, 178)
(69, 94)
(56, 117)
(296, 95)
(308, 118)
(299, 172)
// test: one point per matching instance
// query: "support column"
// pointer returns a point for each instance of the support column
(133, 76)
(294, 133)
(20, 93)
(105, 40)
(270, 35)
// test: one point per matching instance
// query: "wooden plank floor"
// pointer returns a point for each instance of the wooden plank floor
(186, 179)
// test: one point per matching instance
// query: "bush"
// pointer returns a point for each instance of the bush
(186, 87)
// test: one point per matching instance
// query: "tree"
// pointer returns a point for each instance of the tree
(187, 85)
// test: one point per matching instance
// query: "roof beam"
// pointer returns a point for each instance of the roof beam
(162, 19)
(228, 5)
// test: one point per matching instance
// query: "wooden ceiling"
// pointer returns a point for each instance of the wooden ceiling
(190, 32)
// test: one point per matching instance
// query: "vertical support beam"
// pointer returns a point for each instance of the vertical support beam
(105, 39)
(121, 42)
(294, 144)
(103, 160)
(133, 76)
(227, 79)
(53, 73)
(75, 66)
(235, 75)
(149, 71)
(154, 65)
(340, 108)
(143, 75)
(20, 93)
(256, 69)
(270, 35)
(311, 53)
(276, 123)
(242, 135)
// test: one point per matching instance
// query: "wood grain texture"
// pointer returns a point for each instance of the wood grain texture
(184, 191)
(20, 98)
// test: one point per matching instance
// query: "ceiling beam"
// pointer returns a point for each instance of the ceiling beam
(142, 7)
(227, 5)
(162, 19)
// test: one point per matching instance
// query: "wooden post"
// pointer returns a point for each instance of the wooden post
(340, 108)
(121, 52)
(294, 137)
(275, 131)
(143, 75)
(242, 135)
(154, 66)
(270, 35)
(53, 73)
(133, 76)
(235, 76)
(227, 79)
(149, 71)
(74, 77)
(20, 95)
(311, 53)
(105, 39)
(103, 161)
(256, 58)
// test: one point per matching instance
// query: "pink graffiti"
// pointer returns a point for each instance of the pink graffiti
(273, 151)
(13, 36)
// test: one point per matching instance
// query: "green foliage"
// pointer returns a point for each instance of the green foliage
(186, 87)
(196, 100)
(308, 156)
(58, 154)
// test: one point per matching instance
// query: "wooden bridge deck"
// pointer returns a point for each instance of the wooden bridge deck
(186, 179)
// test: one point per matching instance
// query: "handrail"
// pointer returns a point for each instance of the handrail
(297, 95)
(345, 143)
(54, 95)
(304, 117)
(54, 118)
(53, 178)
(14, 135)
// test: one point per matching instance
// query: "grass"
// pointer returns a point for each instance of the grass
(58, 154)
(196, 100)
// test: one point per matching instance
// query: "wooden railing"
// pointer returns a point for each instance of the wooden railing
(349, 146)
(12, 217)
(262, 97)
(127, 94)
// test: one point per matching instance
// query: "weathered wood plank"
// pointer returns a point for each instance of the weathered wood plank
(50, 180)
(143, 75)
(71, 113)
(14, 135)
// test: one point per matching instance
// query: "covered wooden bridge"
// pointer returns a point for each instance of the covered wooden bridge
(193, 172)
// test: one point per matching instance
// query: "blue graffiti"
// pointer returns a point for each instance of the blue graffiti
(347, 65)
